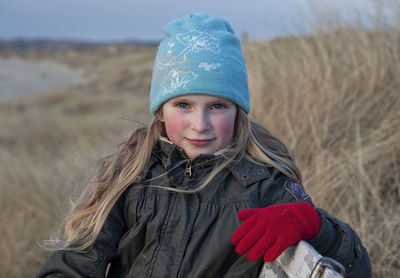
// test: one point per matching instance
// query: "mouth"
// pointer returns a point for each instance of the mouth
(199, 142)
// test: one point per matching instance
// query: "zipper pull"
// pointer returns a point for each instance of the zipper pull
(188, 170)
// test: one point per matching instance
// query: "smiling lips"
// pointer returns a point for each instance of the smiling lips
(199, 142)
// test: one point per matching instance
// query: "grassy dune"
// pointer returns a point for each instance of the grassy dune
(333, 98)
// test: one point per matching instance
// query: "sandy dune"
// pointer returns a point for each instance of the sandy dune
(21, 76)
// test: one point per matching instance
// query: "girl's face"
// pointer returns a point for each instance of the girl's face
(200, 124)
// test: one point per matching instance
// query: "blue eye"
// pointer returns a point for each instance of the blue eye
(182, 105)
(218, 106)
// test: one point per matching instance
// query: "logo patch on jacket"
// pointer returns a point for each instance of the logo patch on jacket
(296, 190)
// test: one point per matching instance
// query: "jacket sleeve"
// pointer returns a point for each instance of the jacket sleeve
(338, 241)
(94, 262)
(335, 240)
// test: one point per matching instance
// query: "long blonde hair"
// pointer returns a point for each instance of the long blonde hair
(118, 171)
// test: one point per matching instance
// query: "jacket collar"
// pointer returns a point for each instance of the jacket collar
(245, 172)
(170, 154)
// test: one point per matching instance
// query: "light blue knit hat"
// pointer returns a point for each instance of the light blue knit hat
(201, 55)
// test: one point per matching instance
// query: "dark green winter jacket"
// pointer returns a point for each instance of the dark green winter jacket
(152, 232)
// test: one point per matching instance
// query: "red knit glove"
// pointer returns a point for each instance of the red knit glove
(269, 231)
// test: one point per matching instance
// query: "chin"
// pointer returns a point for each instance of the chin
(192, 155)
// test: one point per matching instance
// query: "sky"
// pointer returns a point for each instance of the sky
(143, 20)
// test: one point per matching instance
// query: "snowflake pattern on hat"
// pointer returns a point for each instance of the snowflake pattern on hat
(175, 69)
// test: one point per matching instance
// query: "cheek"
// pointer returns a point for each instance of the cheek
(225, 127)
(174, 126)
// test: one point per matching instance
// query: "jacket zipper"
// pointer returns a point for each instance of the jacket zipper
(188, 170)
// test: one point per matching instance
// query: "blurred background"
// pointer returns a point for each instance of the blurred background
(75, 75)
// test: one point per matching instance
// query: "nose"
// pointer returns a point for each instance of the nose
(200, 121)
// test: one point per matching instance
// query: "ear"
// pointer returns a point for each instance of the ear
(159, 115)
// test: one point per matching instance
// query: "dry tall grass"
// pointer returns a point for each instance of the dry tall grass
(333, 98)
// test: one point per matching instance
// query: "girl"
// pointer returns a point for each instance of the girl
(202, 185)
